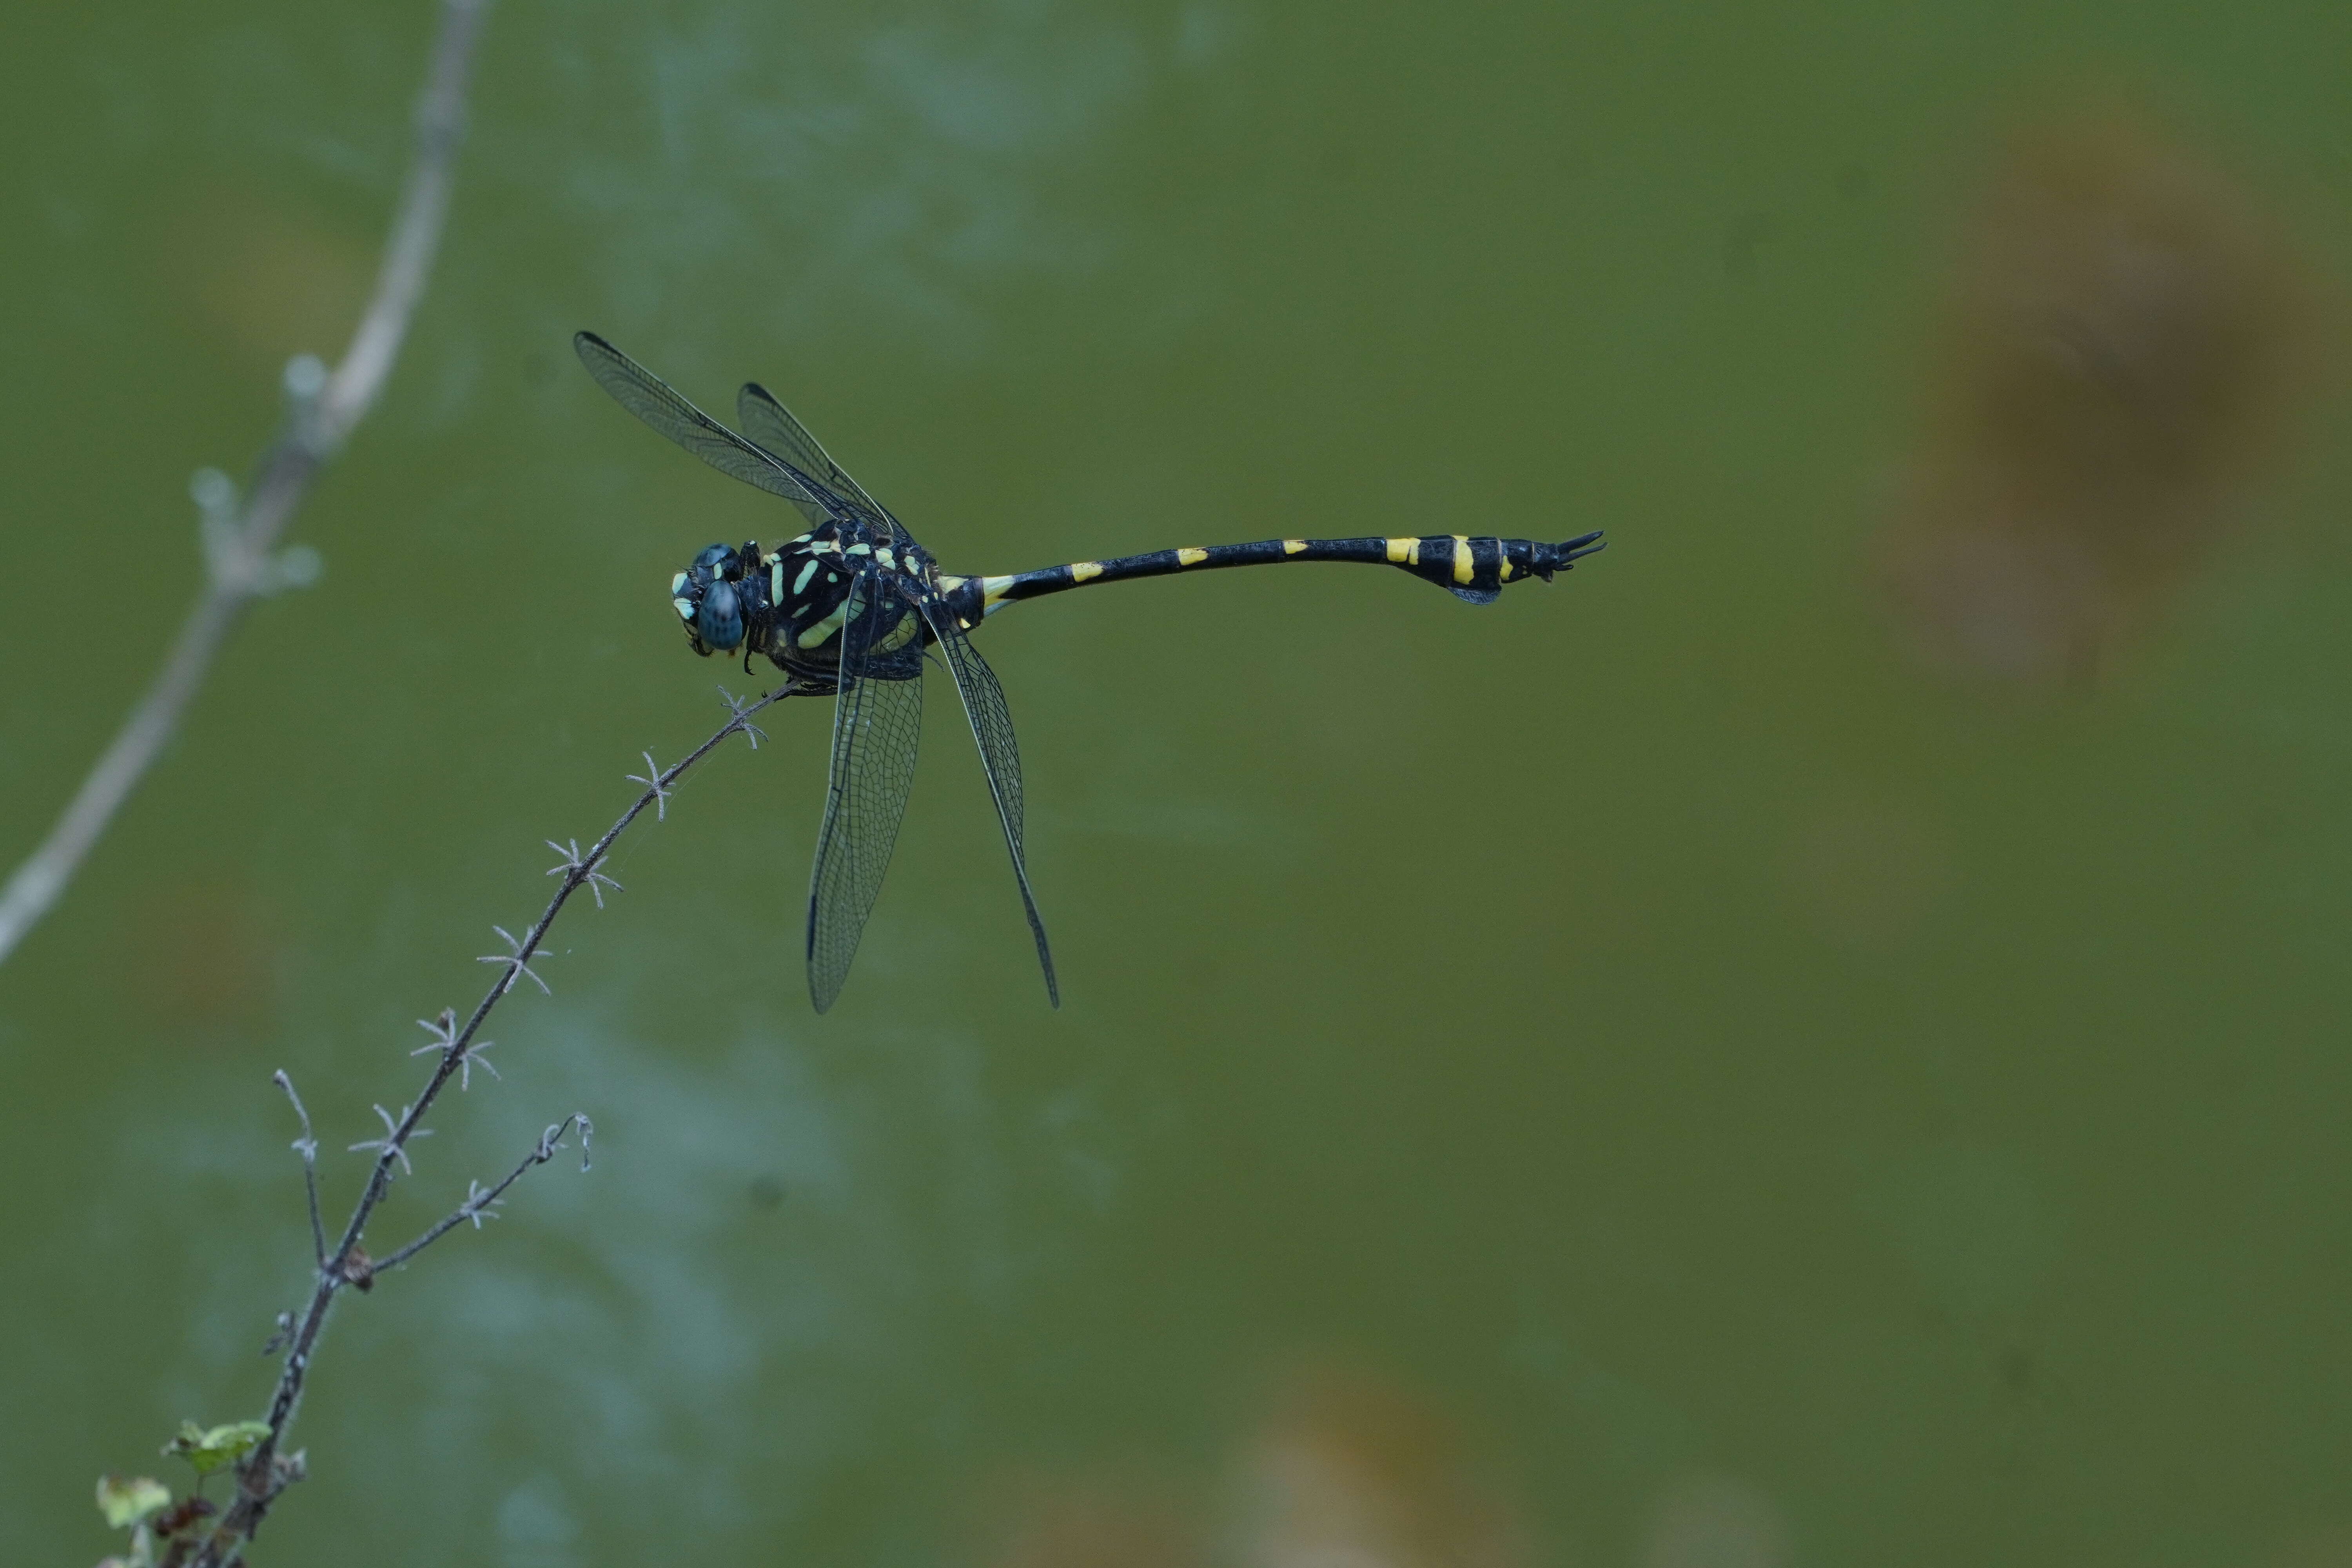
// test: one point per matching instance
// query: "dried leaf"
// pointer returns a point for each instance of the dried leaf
(127, 1500)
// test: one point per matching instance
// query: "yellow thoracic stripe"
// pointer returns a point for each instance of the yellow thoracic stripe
(825, 627)
(1190, 557)
(1463, 565)
(1085, 570)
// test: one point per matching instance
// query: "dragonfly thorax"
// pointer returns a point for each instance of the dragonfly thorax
(792, 603)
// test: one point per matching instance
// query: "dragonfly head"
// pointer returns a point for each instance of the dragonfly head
(709, 596)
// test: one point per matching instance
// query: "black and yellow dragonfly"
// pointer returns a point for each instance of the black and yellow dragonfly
(850, 609)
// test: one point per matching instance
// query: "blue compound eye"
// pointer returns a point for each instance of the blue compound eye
(719, 619)
(711, 556)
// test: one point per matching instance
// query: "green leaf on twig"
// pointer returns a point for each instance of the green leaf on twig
(127, 1500)
(209, 1450)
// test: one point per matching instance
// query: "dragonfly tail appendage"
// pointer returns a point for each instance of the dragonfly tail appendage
(1567, 553)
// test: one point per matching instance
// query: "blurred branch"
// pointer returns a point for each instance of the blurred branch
(262, 1471)
(308, 1147)
(241, 536)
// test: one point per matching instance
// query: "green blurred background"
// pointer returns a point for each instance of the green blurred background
(1648, 1073)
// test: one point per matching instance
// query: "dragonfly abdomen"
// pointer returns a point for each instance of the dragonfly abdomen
(1476, 567)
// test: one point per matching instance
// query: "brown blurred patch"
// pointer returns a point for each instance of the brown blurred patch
(1352, 1471)
(2125, 340)
(1347, 1470)
(208, 959)
(269, 279)
(1040, 1519)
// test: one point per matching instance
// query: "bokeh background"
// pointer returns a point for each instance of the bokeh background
(1820, 1038)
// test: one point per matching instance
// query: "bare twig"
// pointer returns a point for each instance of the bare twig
(241, 538)
(308, 1147)
(264, 1473)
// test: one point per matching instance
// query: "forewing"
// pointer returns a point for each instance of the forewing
(651, 399)
(876, 726)
(772, 425)
(992, 726)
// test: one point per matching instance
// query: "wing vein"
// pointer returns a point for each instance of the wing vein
(1000, 755)
(654, 401)
(878, 722)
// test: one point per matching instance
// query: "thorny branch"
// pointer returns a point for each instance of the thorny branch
(241, 538)
(265, 1472)
(481, 1202)
(444, 1031)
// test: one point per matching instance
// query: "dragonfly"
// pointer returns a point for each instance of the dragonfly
(854, 608)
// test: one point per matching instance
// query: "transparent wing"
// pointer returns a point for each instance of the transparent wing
(876, 723)
(992, 726)
(772, 425)
(650, 398)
